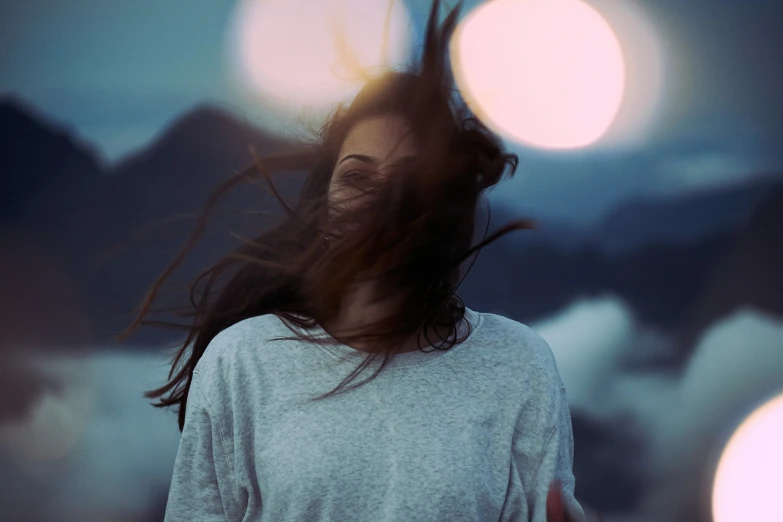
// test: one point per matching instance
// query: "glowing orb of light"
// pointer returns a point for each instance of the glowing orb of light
(748, 482)
(287, 52)
(547, 73)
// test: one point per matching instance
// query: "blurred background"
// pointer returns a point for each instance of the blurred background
(649, 136)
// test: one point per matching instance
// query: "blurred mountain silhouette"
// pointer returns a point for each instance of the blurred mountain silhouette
(76, 217)
(662, 257)
(684, 218)
(749, 273)
(36, 156)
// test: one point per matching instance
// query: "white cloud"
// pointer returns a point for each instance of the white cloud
(587, 339)
(57, 422)
(704, 170)
(737, 363)
(591, 339)
(119, 450)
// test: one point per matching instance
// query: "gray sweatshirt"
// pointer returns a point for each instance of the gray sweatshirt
(474, 433)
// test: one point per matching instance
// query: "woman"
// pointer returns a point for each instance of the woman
(465, 417)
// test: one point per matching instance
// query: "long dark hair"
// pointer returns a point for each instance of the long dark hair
(413, 235)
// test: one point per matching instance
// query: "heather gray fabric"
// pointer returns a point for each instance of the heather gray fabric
(474, 433)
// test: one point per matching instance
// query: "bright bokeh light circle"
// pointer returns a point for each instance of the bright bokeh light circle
(748, 482)
(286, 51)
(546, 73)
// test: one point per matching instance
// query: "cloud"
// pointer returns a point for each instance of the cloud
(593, 340)
(705, 170)
(587, 339)
(737, 363)
(21, 387)
(685, 417)
(97, 448)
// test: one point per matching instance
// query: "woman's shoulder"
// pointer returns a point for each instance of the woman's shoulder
(233, 343)
(525, 349)
(512, 333)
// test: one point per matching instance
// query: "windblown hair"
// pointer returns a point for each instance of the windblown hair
(411, 231)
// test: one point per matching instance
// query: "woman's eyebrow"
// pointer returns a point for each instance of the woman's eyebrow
(374, 161)
(360, 157)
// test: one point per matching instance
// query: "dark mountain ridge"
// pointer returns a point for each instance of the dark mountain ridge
(659, 256)
(36, 156)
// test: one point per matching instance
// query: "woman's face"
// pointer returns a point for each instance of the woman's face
(370, 147)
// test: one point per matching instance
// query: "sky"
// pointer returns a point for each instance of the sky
(118, 72)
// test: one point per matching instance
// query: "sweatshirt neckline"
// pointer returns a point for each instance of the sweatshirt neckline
(405, 359)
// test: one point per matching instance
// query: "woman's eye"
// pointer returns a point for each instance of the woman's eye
(353, 174)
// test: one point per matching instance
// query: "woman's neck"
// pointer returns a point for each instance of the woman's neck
(359, 308)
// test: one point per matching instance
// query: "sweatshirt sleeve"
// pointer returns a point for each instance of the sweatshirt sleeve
(556, 463)
(202, 485)
(542, 451)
